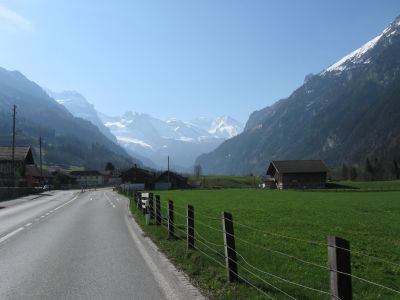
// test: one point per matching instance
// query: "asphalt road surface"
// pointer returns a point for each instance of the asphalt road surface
(73, 245)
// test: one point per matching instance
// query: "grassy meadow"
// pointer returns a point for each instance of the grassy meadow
(369, 220)
(226, 181)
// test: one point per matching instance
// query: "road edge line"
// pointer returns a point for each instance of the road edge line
(12, 233)
(159, 277)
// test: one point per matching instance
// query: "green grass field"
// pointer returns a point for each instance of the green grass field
(227, 181)
(371, 185)
(369, 220)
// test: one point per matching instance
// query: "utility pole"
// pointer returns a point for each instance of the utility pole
(13, 146)
(40, 153)
(168, 172)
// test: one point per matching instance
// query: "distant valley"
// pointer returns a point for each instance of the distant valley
(68, 141)
(152, 140)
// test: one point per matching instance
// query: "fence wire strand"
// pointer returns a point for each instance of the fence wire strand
(280, 253)
(356, 252)
(281, 278)
(263, 280)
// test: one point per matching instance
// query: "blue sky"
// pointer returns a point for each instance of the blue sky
(183, 58)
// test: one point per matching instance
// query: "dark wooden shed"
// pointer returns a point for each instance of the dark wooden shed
(170, 180)
(298, 173)
(138, 175)
(22, 157)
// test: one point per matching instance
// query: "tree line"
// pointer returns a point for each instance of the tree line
(373, 169)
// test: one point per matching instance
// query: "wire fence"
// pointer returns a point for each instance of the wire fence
(263, 281)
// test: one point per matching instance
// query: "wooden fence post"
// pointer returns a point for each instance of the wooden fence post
(190, 227)
(158, 210)
(170, 219)
(230, 249)
(138, 200)
(339, 260)
(151, 205)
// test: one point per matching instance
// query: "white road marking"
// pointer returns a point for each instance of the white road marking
(6, 237)
(109, 200)
(73, 199)
(162, 282)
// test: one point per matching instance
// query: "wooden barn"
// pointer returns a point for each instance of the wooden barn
(170, 180)
(35, 178)
(22, 157)
(139, 176)
(303, 174)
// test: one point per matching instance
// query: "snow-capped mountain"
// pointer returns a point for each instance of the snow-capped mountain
(79, 107)
(150, 139)
(363, 55)
(183, 141)
(345, 114)
(223, 127)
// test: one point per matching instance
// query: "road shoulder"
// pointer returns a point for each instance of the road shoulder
(175, 284)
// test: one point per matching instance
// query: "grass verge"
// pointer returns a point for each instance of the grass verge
(368, 219)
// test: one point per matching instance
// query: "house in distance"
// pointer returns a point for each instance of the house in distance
(88, 178)
(303, 174)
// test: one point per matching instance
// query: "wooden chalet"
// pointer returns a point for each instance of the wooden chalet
(301, 174)
(63, 180)
(170, 180)
(22, 157)
(35, 178)
(88, 178)
(138, 175)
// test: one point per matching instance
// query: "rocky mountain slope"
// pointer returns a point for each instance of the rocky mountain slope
(346, 113)
(155, 139)
(68, 141)
(79, 107)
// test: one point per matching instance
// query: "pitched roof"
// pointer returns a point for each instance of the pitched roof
(164, 175)
(62, 174)
(20, 153)
(34, 171)
(297, 166)
(85, 173)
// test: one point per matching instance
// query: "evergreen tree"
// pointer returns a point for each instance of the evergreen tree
(345, 172)
(198, 170)
(109, 166)
(378, 169)
(396, 169)
(369, 169)
(353, 173)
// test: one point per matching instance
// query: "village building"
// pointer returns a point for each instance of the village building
(63, 180)
(35, 177)
(298, 173)
(22, 157)
(112, 177)
(89, 178)
(138, 176)
(170, 180)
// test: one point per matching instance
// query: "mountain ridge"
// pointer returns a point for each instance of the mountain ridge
(344, 114)
(157, 139)
(68, 141)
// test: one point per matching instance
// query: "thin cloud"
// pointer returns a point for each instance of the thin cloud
(12, 20)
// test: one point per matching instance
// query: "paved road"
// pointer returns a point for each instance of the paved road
(72, 245)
